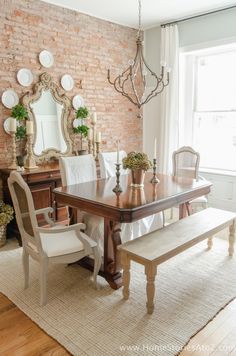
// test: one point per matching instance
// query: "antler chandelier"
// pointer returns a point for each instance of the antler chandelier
(132, 82)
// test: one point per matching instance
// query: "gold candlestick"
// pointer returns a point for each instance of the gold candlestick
(94, 139)
(13, 165)
(154, 178)
(97, 149)
(30, 160)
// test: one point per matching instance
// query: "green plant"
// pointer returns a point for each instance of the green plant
(20, 132)
(6, 213)
(82, 129)
(19, 112)
(137, 160)
(82, 112)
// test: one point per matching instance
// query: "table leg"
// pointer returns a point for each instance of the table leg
(184, 210)
(112, 265)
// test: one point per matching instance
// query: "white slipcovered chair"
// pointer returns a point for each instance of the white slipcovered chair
(137, 228)
(185, 163)
(56, 244)
(81, 169)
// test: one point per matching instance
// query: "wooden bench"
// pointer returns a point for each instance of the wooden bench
(156, 247)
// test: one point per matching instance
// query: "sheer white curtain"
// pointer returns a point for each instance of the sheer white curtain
(169, 123)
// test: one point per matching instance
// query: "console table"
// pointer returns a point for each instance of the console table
(41, 181)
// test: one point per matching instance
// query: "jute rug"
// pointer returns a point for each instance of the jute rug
(190, 290)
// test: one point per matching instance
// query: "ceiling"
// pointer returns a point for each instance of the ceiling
(154, 12)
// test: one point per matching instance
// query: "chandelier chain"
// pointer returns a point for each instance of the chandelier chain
(139, 15)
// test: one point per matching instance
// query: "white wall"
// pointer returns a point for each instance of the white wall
(210, 28)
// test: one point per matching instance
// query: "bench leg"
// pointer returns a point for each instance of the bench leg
(150, 271)
(231, 239)
(210, 242)
(125, 261)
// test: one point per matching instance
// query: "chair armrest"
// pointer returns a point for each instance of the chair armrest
(45, 212)
(59, 230)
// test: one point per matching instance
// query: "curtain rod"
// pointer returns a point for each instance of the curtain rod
(200, 15)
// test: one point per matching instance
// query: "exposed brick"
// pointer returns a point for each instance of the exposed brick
(84, 47)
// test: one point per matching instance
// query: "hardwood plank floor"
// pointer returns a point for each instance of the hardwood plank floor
(20, 336)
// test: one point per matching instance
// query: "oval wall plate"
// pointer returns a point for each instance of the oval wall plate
(10, 98)
(25, 77)
(77, 102)
(67, 82)
(46, 59)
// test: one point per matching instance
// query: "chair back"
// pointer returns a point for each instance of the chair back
(186, 162)
(107, 162)
(23, 205)
(77, 169)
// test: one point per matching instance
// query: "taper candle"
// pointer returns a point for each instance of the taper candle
(155, 148)
(118, 158)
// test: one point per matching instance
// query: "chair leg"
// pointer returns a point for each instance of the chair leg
(43, 281)
(25, 260)
(210, 242)
(97, 264)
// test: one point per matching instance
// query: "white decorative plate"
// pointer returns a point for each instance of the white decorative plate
(76, 123)
(10, 98)
(46, 59)
(6, 125)
(25, 77)
(67, 82)
(77, 102)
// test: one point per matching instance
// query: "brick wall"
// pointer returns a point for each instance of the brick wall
(84, 47)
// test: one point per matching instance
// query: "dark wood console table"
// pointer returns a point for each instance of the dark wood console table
(42, 181)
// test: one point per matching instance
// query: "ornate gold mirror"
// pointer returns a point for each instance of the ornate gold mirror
(49, 110)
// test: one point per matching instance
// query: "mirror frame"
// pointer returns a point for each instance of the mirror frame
(46, 83)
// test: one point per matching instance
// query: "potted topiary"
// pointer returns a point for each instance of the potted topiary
(82, 129)
(6, 215)
(20, 113)
(138, 163)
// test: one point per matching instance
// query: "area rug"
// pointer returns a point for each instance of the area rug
(191, 288)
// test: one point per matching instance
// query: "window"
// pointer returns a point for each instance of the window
(209, 102)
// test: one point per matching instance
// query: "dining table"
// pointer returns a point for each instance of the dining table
(97, 197)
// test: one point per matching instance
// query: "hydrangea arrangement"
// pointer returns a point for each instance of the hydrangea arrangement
(6, 213)
(137, 160)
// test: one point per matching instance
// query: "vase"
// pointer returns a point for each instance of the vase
(137, 178)
(3, 230)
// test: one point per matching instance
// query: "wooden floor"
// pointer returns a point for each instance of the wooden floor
(20, 336)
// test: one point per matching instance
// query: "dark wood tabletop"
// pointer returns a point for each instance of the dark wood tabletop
(133, 203)
(97, 197)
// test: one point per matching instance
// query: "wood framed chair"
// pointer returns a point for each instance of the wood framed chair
(185, 163)
(81, 169)
(140, 227)
(55, 244)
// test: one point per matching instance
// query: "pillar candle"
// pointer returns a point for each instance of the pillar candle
(94, 118)
(12, 124)
(155, 148)
(29, 127)
(98, 137)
